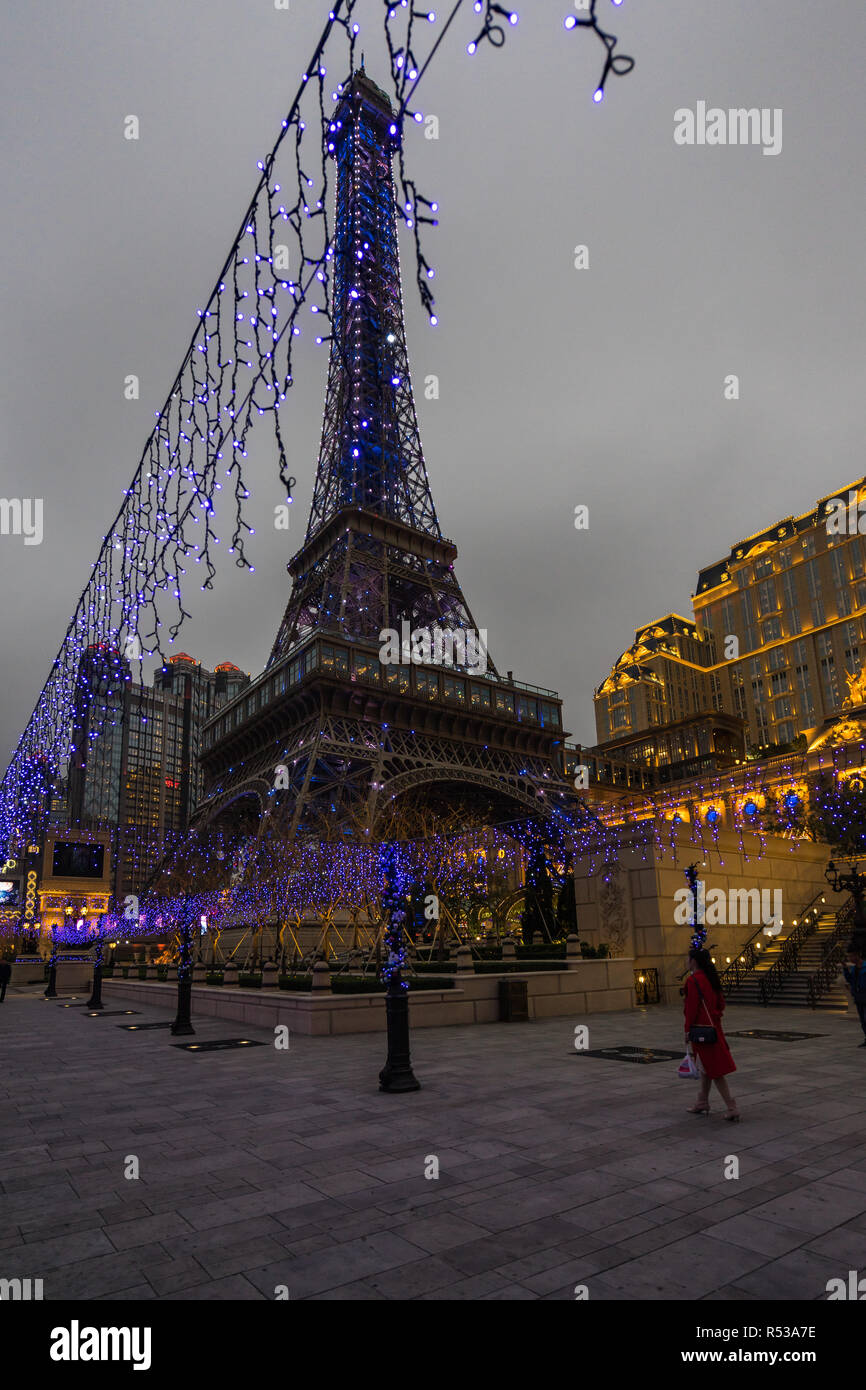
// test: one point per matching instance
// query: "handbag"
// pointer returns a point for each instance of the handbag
(703, 1032)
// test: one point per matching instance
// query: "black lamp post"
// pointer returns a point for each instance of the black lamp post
(182, 1026)
(853, 883)
(397, 1074)
(699, 931)
(51, 991)
(95, 1000)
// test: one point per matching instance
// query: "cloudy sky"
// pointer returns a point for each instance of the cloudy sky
(558, 387)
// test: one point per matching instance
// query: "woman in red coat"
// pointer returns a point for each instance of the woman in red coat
(705, 1004)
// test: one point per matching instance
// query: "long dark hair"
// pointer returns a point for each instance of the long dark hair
(703, 961)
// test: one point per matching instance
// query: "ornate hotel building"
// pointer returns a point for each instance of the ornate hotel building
(774, 651)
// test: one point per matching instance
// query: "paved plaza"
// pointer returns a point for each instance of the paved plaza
(263, 1169)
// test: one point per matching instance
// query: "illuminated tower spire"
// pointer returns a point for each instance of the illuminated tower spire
(374, 555)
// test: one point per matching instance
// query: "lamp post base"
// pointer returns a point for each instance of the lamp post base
(397, 1074)
(95, 1000)
(182, 1026)
(51, 991)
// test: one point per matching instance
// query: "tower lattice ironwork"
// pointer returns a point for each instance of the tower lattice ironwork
(336, 731)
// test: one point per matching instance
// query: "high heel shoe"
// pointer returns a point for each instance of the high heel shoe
(731, 1116)
(698, 1110)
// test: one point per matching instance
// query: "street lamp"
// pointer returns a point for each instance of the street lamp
(95, 1000)
(397, 1074)
(853, 883)
(51, 991)
(182, 1026)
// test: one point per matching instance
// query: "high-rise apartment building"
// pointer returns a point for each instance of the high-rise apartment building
(135, 769)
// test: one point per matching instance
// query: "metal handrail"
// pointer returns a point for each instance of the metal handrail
(739, 969)
(820, 980)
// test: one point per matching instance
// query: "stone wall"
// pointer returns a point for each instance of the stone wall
(586, 987)
(634, 909)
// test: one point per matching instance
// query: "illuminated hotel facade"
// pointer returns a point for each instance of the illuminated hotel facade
(775, 648)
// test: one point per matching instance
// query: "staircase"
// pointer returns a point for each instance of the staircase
(787, 973)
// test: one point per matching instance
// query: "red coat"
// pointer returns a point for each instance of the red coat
(715, 1058)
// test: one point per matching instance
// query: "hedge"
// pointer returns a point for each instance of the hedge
(352, 984)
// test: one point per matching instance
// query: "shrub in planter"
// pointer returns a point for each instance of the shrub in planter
(347, 984)
(124, 970)
(213, 977)
(553, 950)
(296, 983)
(142, 972)
(162, 972)
(495, 967)
(250, 980)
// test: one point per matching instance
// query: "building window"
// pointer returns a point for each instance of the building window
(335, 660)
(763, 567)
(550, 715)
(771, 630)
(397, 678)
(427, 685)
(504, 702)
(527, 709)
(454, 689)
(367, 668)
(480, 696)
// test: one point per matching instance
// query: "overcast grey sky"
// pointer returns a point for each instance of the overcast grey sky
(558, 386)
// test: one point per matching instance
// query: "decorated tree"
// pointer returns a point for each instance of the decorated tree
(538, 907)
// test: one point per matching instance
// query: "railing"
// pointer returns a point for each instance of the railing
(749, 957)
(821, 980)
(774, 978)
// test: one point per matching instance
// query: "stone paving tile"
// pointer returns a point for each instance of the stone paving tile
(816, 1208)
(468, 1289)
(802, 1274)
(700, 1266)
(843, 1244)
(413, 1279)
(437, 1233)
(361, 1292)
(512, 1293)
(551, 1166)
(171, 1276)
(338, 1264)
(752, 1233)
(494, 1250)
(92, 1278)
(138, 1294)
(237, 1258)
(145, 1230)
(235, 1287)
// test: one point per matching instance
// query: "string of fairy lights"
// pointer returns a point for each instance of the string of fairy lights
(295, 882)
(238, 367)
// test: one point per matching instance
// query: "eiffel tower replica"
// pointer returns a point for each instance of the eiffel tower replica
(337, 731)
